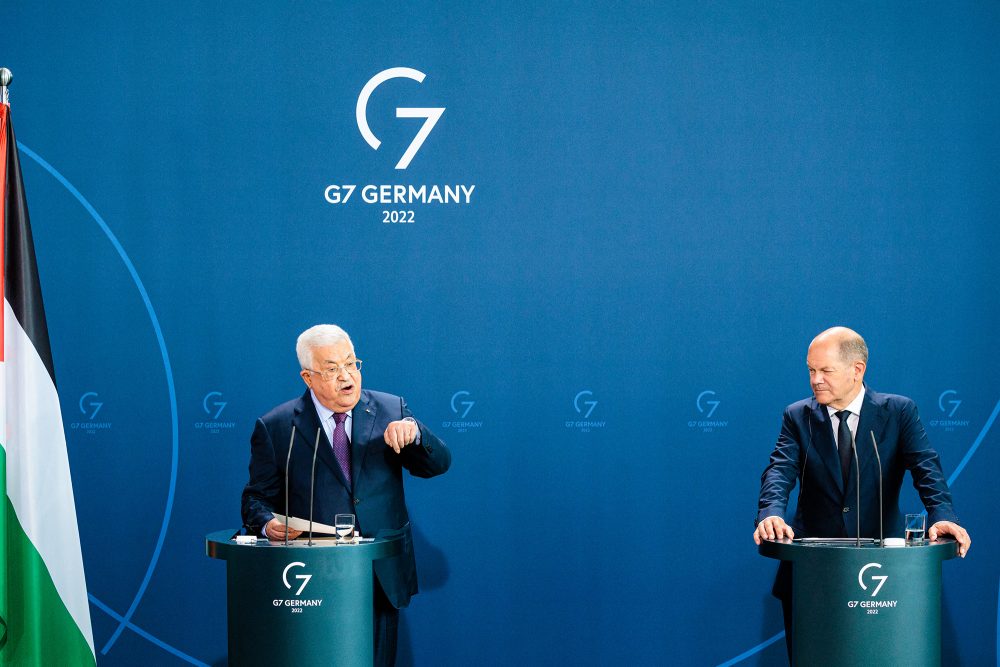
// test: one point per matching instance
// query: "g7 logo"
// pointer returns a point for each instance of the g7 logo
(431, 114)
(466, 404)
(304, 577)
(590, 404)
(954, 403)
(714, 404)
(85, 405)
(215, 404)
(880, 578)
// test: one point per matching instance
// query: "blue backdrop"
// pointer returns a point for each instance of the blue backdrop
(668, 203)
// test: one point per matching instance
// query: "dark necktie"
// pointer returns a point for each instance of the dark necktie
(844, 444)
(341, 448)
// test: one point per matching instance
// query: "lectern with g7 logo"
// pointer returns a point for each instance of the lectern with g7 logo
(300, 604)
(864, 605)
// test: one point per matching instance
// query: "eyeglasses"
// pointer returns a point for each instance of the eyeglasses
(333, 372)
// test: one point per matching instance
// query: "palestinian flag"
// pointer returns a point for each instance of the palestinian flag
(44, 613)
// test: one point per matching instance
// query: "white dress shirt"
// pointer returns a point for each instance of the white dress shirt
(852, 419)
(327, 420)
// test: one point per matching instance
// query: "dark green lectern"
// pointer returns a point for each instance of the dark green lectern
(866, 605)
(300, 604)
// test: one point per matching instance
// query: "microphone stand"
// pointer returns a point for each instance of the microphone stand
(312, 485)
(881, 536)
(288, 461)
(857, 488)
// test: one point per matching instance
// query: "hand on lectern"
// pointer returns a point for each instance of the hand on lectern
(942, 528)
(771, 528)
(275, 530)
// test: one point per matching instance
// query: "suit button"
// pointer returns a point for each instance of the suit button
(846, 509)
(358, 500)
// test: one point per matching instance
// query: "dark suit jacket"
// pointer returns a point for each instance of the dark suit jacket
(807, 451)
(377, 497)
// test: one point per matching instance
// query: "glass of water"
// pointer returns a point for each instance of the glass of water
(344, 523)
(915, 526)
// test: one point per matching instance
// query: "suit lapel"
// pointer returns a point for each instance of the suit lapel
(824, 445)
(362, 428)
(872, 421)
(306, 423)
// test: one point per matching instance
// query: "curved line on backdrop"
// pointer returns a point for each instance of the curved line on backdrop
(951, 480)
(125, 620)
(145, 635)
(749, 652)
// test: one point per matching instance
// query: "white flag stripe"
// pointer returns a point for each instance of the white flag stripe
(38, 481)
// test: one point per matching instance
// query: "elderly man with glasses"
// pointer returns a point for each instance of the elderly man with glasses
(366, 439)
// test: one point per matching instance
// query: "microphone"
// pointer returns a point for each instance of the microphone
(802, 473)
(288, 461)
(857, 488)
(881, 536)
(312, 485)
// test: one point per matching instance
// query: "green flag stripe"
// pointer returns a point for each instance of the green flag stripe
(37, 628)
(4, 572)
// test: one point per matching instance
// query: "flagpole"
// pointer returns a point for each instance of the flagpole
(5, 78)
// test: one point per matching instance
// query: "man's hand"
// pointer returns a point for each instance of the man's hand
(953, 529)
(400, 434)
(771, 528)
(275, 531)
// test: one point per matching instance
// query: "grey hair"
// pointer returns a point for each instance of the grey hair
(853, 348)
(320, 335)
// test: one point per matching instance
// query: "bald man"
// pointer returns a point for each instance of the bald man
(814, 449)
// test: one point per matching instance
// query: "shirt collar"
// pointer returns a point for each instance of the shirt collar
(854, 407)
(324, 412)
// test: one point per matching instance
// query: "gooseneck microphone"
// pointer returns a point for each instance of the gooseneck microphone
(857, 488)
(288, 461)
(881, 536)
(312, 485)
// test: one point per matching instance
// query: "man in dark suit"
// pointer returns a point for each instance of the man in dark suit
(366, 439)
(814, 447)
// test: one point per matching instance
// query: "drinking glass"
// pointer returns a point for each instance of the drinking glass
(344, 523)
(915, 526)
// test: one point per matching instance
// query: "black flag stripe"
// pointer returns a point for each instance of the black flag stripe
(21, 287)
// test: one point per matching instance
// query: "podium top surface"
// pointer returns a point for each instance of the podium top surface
(792, 550)
(221, 544)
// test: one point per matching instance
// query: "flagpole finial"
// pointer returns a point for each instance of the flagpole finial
(6, 76)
